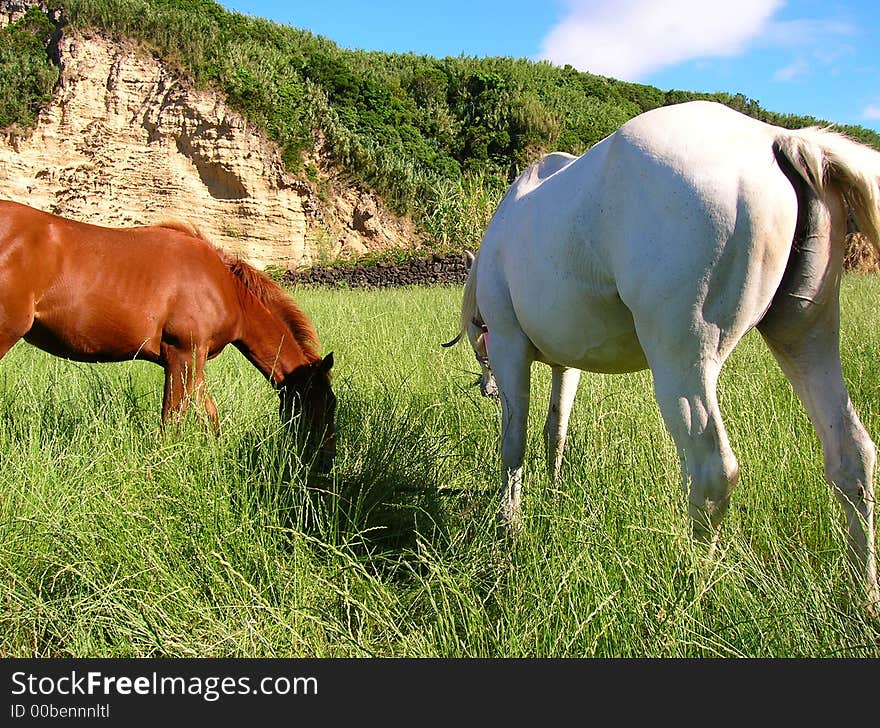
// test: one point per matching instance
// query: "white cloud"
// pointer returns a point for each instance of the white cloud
(803, 32)
(629, 38)
(796, 68)
(871, 112)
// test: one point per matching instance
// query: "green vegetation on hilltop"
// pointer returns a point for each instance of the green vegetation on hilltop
(27, 74)
(439, 139)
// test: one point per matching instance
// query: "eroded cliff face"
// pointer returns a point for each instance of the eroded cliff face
(126, 141)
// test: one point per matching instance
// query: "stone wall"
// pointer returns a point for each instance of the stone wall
(431, 270)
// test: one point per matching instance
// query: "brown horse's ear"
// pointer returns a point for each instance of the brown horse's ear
(327, 363)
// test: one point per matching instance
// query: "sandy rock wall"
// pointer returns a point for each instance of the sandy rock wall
(127, 142)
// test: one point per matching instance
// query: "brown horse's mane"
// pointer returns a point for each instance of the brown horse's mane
(263, 288)
(185, 227)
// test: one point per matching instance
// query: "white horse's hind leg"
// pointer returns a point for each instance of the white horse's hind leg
(802, 329)
(811, 361)
(709, 470)
(562, 392)
(511, 361)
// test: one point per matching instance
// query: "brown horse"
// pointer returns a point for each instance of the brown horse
(161, 293)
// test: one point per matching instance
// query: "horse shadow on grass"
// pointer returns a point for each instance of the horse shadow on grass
(385, 492)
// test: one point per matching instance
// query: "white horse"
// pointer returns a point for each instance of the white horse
(661, 247)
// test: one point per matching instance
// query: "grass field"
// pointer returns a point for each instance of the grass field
(117, 540)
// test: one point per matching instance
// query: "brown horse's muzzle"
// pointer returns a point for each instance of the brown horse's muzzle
(309, 410)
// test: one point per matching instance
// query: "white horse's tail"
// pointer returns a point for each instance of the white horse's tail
(468, 298)
(823, 157)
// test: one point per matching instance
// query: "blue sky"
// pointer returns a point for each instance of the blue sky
(811, 57)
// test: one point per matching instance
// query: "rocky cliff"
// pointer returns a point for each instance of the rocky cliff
(126, 141)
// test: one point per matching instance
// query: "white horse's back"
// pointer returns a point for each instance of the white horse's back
(638, 219)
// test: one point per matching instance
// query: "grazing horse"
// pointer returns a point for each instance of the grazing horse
(661, 247)
(164, 294)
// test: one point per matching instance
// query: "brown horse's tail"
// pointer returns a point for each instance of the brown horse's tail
(277, 300)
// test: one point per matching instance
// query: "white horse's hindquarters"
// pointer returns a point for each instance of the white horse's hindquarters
(726, 226)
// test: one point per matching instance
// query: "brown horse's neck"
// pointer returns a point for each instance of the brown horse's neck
(275, 335)
(271, 346)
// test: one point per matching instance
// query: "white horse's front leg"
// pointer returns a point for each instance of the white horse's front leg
(511, 363)
(563, 389)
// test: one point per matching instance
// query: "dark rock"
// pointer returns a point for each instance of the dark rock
(434, 269)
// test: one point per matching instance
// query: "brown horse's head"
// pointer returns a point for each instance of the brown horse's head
(307, 399)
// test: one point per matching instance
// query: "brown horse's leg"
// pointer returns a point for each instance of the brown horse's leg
(184, 381)
(211, 410)
(203, 399)
(6, 345)
(177, 372)
(16, 320)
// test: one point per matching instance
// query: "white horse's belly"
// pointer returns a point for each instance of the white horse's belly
(613, 354)
(593, 333)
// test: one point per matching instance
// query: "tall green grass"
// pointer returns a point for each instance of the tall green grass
(119, 540)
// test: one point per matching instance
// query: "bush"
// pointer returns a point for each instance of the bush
(27, 74)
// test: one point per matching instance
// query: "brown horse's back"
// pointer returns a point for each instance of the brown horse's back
(92, 293)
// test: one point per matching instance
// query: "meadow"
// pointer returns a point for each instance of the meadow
(120, 540)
